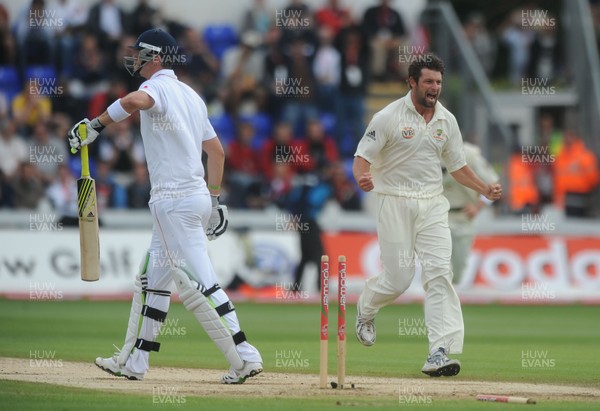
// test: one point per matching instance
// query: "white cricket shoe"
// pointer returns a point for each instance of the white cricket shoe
(250, 369)
(365, 330)
(438, 364)
(111, 366)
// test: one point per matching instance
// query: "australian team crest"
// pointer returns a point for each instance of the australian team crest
(439, 135)
(408, 132)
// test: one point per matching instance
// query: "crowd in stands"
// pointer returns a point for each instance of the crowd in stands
(285, 91)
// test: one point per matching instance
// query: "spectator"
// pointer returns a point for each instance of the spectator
(62, 194)
(344, 189)
(5, 195)
(353, 89)
(280, 149)
(550, 140)
(47, 152)
(523, 194)
(296, 23)
(546, 60)
(8, 47)
(99, 101)
(68, 104)
(90, 75)
(276, 71)
(300, 105)
(576, 175)
(243, 169)
(281, 183)
(106, 21)
(201, 64)
(13, 149)
(72, 17)
(27, 187)
(320, 150)
(34, 33)
(327, 70)
(518, 40)
(305, 201)
(138, 191)
(483, 43)
(30, 108)
(333, 16)
(242, 71)
(142, 17)
(385, 31)
(109, 193)
(257, 19)
(117, 149)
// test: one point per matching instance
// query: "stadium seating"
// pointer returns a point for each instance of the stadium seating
(40, 72)
(10, 84)
(219, 38)
(224, 127)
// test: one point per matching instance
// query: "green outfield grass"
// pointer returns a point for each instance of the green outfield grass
(542, 344)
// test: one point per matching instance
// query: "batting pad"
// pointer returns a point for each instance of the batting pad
(207, 316)
(134, 314)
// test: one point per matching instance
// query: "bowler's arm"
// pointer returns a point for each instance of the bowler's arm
(468, 178)
(361, 169)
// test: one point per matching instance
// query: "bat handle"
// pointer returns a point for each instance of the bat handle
(73, 151)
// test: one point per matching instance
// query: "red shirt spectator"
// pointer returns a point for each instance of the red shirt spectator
(241, 156)
(333, 16)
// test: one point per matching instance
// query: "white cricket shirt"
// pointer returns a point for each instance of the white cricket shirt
(406, 154)
(173, 131)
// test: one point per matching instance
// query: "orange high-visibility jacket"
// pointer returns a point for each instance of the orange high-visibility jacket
(575, 171)
(522, 189)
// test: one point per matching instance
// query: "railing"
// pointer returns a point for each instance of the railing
(583, 53)
(448, 36)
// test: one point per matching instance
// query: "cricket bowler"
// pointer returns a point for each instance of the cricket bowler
(185, 211)
(400, 158)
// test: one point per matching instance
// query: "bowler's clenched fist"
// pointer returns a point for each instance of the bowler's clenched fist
(494, 192)
(365, 182)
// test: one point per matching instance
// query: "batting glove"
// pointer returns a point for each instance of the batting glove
(93, 127)
(217, 224)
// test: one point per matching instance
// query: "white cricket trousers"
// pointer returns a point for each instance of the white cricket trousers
(407, 227)
(178, 240)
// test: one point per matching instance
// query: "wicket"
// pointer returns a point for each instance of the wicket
(341, 330)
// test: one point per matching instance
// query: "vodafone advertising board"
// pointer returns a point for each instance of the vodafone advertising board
(520, 269)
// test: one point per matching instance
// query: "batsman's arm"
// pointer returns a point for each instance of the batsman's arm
(124, 107)
(214, 165)
(361, 169)
(468, 178)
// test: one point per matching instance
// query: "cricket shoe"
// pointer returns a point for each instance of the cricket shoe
(111, 366)
(438, 364)
(365, 330)
(250, 369)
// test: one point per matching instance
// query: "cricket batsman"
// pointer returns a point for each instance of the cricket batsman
(185, 211)
(400, 158)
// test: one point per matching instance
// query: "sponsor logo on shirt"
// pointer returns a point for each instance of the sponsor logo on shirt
(439, 135)
(371, 135)
(408, 132)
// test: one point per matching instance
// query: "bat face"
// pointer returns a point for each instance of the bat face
(88, 229)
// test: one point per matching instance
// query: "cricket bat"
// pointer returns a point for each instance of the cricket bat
(89, 240)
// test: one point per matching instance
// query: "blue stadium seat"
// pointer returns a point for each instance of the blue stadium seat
(10, 84)
(40, 72)
(263, 125)
(224, 127)
(219, 38)
(328, 121)
(46, 81)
